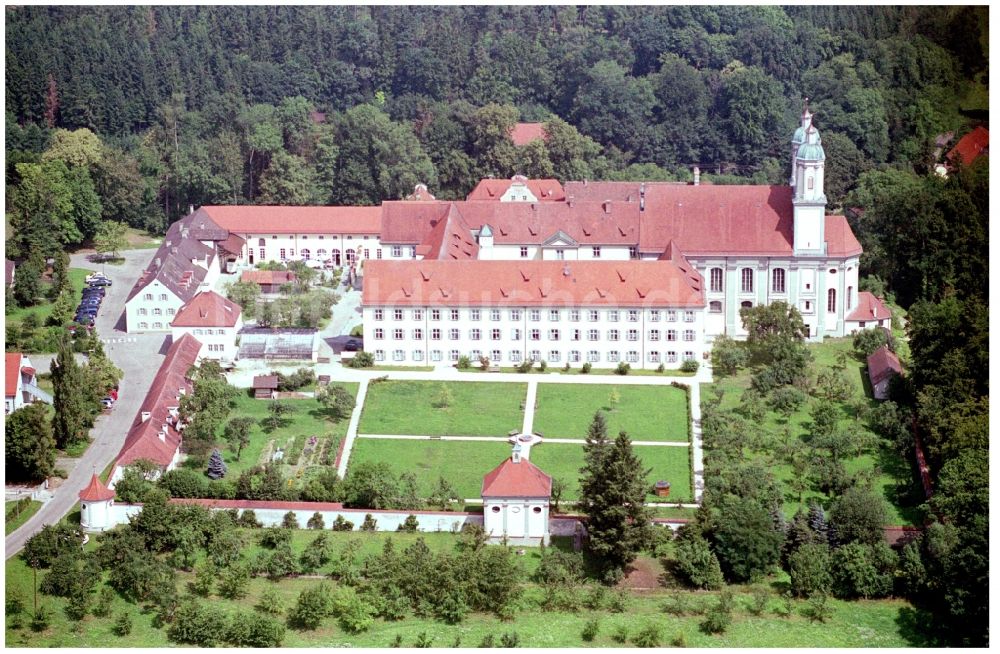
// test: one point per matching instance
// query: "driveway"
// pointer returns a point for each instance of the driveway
(139, 356)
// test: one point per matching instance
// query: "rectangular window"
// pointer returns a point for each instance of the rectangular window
(453, 334)
(398, 355)
(454, 314)
(574, 356)
(379, 334)
(597, 251)
(632, 335)
(418, 334)
(524, 252)
(435, 355)
(495, 356)
(671, 334)
(515, 334)
(515, 356)
(688, 335)
(397, 252)
(613, 315)
(654, 334)
(515, 314)
(553, 334)
(576, 335)
(553, 315)
(689, 316)
(380, 355)
(654, 357)
(418, 314)
(475, 314)
(142, 312)
(534, 315)
(612, 334)
(495, 315)
(593, 315)
(654, 315)
(715, 280)
(632, 356)
(593, 335)
(435, 314)
(689, 356)
(435, 334)
(554, 356)
(262, 255)
(633, 252)
(157, 312)
(378, 255)
(453, 355)
(147, 296)
(172, 311)
(281, 254)
(475, 334)
(574, 315)
(397, 334)
(535, 355)
(535, 334)
(778, 280)
(367, 255)
(671, 357)
(397, 314)
(378, 314)
(671, 316)
(746, 280)
(613, 356)
(593, 356)
(633, 315)
(495, 334)
(418, 355)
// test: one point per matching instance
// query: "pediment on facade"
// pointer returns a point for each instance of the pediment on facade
(560, 239)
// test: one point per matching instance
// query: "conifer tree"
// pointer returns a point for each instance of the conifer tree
(216, 466)
(70, 398)
(613, 492)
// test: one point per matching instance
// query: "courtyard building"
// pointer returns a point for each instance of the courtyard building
(516, 502)
(215, 321)
(21, 383)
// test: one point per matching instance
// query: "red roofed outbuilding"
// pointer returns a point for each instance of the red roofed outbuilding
(516, 501)
(215, 321)
(270, 281)
(883, 365)
(95, 506)
(970, 147)
(869, 312)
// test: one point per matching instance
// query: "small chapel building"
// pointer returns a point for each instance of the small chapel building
(95, 506)
(516, 502)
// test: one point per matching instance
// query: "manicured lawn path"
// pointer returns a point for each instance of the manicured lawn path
(462, 463)
(306, 418)
(475, 408)
(647, 413)
(563, 461)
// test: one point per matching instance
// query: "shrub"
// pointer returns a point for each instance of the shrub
(525, 366)
(680, 640)
(720, 616)
(234, 581)
(369, 523)
(510, 640)
(353, 613)
(618, 602)
(689, 366)
(566, 367)
(590, 630)
(342, 525)
(273, 537)
(585, 369)
(249, 520)
(648, 636)
(488, 641)
(248, 630)
(409, 525)
(696, 564)
(102, 607)
(423, 641)
(123, 624)
(289, 521)
(316, 521)
(620, 634)
(197, 624)
(865, 571)
(661, 368)
(818, 609)
(759, 597)
(595, 598)
(312, 605)
(543, 365)
(809, 568)
(362, 360)
(397, 641)
(464, 363)
(623, 368)
(484, 363)
(270, 602)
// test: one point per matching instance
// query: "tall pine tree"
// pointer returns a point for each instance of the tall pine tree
(613, 492)
(70, 398)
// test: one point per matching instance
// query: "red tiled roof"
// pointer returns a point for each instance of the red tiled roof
(530, 283)
(523, 479)
(621, 191)
(96, 491)
(545, 190)
(588, 223)
(525, 133)
(261, 219)
(869, 308)
(11, 373)
(882, 364)
(143, 439)
(410, 222)
(840, 239)
(233, 244)
(208, 309)
(268, 277)
(172, 264)
(265, 381)
(971, 146)
(450, 239)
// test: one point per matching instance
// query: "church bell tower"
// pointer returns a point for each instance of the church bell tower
(808, 199)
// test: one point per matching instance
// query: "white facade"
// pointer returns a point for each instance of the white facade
(217, 343)
(153, 308)
(516, 518)
(344, 249)
(642, 337)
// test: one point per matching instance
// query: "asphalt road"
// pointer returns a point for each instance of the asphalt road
(139, 356)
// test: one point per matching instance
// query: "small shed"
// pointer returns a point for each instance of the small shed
(270, 281)
(264, 386)
(883, 365)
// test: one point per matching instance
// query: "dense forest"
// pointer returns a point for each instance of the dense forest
(132, 114)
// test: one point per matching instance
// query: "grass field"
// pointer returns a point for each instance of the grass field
(884, 623)
(43, 309)
(306, 418)
(559, 370)
(474, 408)
(893, 471)
(647, 413)
(462, 463)
(563, 461)
(22, 517)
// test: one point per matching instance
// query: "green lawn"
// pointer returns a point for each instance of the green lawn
(893, 471)
(563, 461)
(462, 463)
(647, 413)
(306, 418)
(474, 408)
(22, 517)
(884, 623)
(559, 370)
(43, 309)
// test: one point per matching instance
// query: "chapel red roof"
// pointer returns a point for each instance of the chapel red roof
(531, 283)
(882, 364)
(11, 373)
(525, 133)
(523, 479)
(261, 219)
(869, 308)
(971, 146)
(208, 309)
(96, 491)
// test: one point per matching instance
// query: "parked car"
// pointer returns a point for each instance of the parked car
(95, 290)
(352, 345)
(84, 320)
(97, 275)
(101, 281)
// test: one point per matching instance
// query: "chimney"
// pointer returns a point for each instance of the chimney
(190, 209)
(145, 416)
(569, 201)
(697, 176)
(163, 436)
(158, 262)
(566, 271)
(607, 206)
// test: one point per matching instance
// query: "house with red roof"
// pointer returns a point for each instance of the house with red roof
(518, 189)
(20, 383)
(96, 501)
(970, 147)
(870, 311)
(883, 365)
(516, 502)
(156, 431)
(215, 321)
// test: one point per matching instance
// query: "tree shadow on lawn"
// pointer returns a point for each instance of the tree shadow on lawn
(327, 415)
(915, 626)
(906, 494)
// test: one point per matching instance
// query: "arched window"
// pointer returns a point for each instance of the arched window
(335, 255)
(321, 254)
(350, 255)
(778, 280)
(715, 306)
(831, 300)
(715, 274)
(305, 253)
(850, 296)
(260, 242)
(746, 277)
